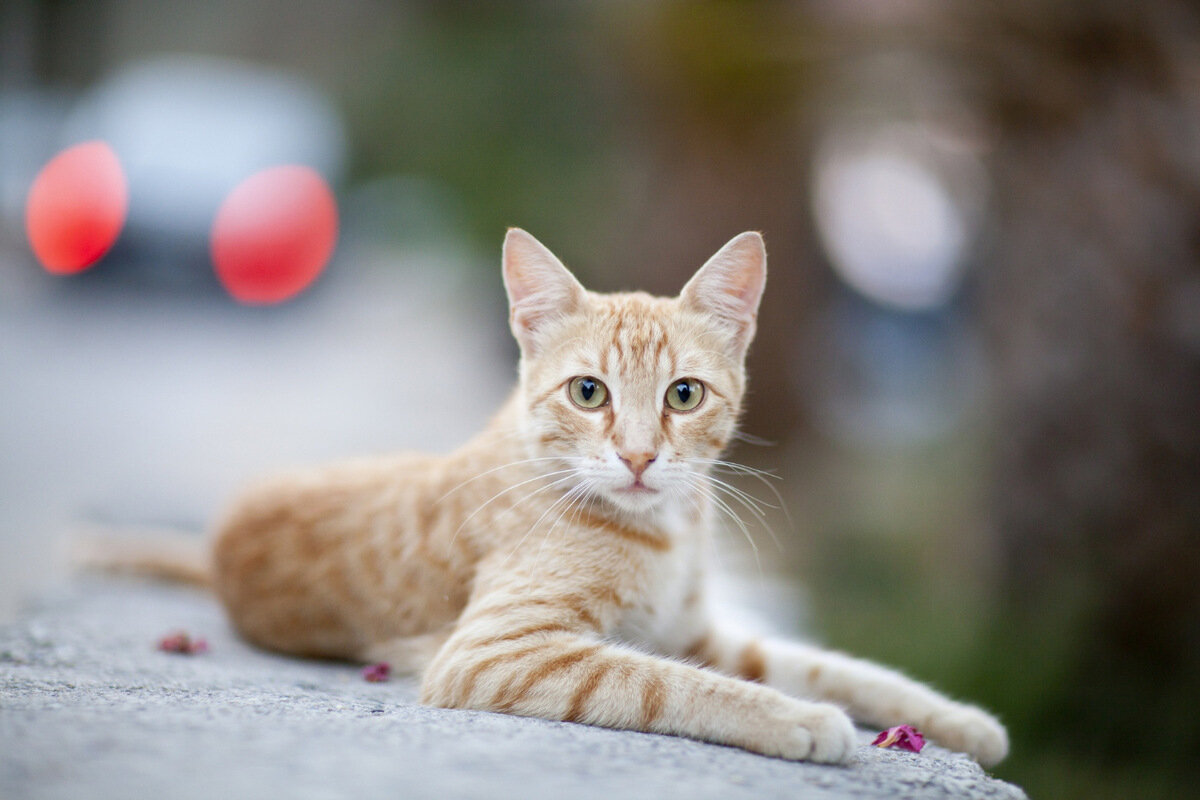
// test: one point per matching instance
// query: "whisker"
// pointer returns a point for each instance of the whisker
(495, 469)
(729, 512)
(748, 501)
(565, 497)
(733, 466)
(724, 507)
(745, 498)
(683, 492)
(762, 476)
(514, 506)
(751, 439)
(576, 492)
(568, 472)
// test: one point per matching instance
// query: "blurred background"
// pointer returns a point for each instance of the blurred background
(978, 366)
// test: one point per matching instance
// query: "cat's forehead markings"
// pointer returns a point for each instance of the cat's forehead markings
(635, 331)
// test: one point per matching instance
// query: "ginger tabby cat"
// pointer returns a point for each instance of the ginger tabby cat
(554, 566)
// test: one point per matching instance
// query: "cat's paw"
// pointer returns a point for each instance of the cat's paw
(970, 730)
(816, 732)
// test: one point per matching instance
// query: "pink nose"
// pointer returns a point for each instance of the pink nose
(637, 462)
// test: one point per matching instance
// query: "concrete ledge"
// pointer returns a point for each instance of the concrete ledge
(89, 708)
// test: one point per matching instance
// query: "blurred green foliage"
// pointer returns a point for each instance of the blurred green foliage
(497, 105)
(898, 576)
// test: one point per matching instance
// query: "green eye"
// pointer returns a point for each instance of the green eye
(587, 392)
(685, 394)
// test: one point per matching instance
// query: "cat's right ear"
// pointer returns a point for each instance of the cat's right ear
(729, 287)
(539, 287)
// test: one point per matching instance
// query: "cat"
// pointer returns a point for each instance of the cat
(554, 566)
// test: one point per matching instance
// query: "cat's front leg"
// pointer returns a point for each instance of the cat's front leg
(872, 694)
(538, 662)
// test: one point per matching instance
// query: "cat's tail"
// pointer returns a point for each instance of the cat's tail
(168, 555)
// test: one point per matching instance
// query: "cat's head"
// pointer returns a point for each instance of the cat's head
(635, 394)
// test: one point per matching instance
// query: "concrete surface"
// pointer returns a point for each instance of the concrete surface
(90, 709)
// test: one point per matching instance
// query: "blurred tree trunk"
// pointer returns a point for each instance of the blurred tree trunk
(712, 96)
(1093, 295)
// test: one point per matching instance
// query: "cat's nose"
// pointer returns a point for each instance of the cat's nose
(637, 462)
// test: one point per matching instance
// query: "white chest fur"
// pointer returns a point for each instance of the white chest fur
(663, 618)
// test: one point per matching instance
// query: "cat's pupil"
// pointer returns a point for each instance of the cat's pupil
(683, 392)
(587, 389)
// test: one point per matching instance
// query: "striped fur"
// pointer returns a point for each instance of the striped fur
(554, 565)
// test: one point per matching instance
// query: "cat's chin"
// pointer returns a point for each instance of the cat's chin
(639, 500)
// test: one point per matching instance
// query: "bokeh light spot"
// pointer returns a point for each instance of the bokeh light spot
(895, 228)
(274, 233)
(76, 208)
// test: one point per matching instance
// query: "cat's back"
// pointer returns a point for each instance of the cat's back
(323, 561)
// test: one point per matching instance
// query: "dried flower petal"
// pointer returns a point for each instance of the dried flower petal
(181, 642)
(377, 673)
(905, 737)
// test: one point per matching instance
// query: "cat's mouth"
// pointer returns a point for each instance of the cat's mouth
(636, 488)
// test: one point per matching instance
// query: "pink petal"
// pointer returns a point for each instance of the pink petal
(181, 642)
(377, 673)
(904, 737)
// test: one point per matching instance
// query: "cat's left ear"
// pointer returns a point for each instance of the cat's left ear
(539, 287)
(730, 285)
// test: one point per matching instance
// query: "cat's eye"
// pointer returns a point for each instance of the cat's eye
(587, 392)
(685, 394)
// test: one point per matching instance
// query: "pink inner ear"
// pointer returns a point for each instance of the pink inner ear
(730, 284)
(521, 257)
(746, 286)
(539, 286)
